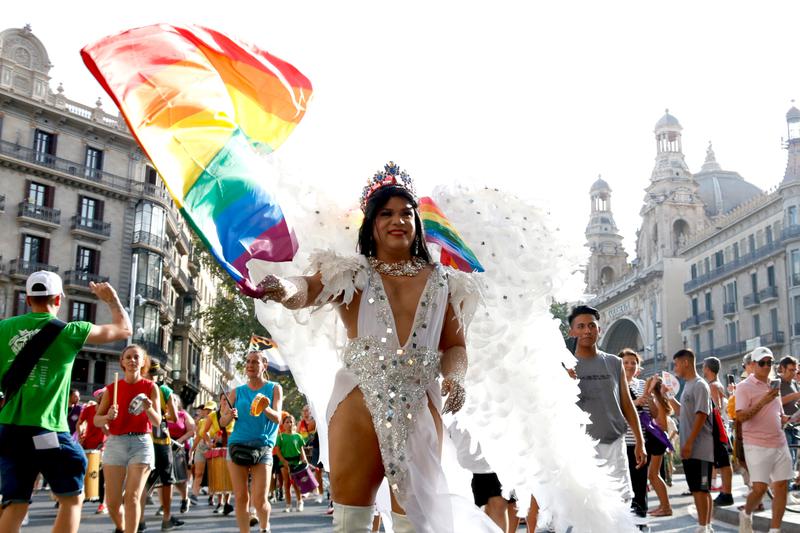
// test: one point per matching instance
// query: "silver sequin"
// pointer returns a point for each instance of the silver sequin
(392, 380)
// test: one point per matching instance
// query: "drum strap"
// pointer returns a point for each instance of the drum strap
(26, 359)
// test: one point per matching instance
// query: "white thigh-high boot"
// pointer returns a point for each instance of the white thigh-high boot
(352, 519)
(401, 523)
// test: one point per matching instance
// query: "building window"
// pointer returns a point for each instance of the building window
(796, 308)
(754, 282)
(177, 352)
(695, 307)
(84, 311)
(768, 233)
(694, 271)
(697, 344)
(44, 147)
(730, 331)
(94, 163)
(771, 276)
(149, 219)
(20, 304)
(773, 320)
(719, 259)
(38, 194)
(735, 251)
(150, 175)
(707, 265)
(795, 267)
(791, 215)
(751, 240)
(90, 210)
(147, 326)
(756, 326)
(708, 302)
(87, 260)
(730, 292)
(711, 339)
(34, 249)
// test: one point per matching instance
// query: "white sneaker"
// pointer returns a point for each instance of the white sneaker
(775, 530)
(745, 522)
(701, 529)
(288, 509)
(300, 506)
(26, 519)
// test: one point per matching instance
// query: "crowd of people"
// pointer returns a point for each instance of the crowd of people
(406, 352)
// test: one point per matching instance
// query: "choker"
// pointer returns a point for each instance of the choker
(410, 267)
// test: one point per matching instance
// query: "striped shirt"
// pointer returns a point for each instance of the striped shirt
(637, 391)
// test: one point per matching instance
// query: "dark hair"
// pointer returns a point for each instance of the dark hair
(366, 241)
(686, 352)
(712, 363)
(661, 401)
(630, 353)
(786, 361)
(42, 300)
(582, 310)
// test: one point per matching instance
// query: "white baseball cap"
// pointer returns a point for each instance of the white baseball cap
(49, 284)
(760, 353)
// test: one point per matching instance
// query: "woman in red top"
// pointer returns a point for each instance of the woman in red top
(129, 455)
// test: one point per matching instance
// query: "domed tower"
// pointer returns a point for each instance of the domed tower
(672, 209)
(793, 146)
(608, 260)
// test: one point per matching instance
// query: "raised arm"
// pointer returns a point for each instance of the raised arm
(120, 327)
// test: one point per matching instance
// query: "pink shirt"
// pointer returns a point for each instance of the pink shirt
(765, 428)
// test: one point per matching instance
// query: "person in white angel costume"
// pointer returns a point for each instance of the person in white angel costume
(403, 347)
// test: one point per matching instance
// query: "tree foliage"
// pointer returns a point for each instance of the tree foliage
(560, 310)
(230, 321)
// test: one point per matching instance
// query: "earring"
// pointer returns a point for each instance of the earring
(416, 246)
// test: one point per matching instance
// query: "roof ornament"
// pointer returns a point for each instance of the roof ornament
(710, 163)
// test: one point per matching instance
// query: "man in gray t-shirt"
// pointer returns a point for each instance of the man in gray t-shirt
(697, 440)
(605, 396)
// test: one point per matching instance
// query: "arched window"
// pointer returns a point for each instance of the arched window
(606, 275)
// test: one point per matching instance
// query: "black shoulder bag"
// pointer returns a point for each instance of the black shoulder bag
(26, 359)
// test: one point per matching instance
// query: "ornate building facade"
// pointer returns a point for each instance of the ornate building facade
(78, 196)
(714, 260)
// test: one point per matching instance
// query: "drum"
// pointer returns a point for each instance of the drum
(91, 482)
(219, 479)
(303, 477)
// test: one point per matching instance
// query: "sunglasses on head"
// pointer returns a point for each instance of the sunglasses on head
(765, 362)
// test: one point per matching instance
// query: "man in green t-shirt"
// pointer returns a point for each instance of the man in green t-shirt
(34, 434)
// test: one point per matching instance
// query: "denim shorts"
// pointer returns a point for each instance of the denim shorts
(20, 462)
(124, 450)
(266, 455)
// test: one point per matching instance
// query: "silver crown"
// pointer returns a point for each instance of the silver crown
(390, 175)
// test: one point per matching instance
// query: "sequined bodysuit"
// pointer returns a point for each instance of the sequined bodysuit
(395, 379)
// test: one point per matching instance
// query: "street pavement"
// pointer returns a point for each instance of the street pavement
(313, 519)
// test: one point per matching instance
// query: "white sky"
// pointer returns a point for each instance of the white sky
(535, 97)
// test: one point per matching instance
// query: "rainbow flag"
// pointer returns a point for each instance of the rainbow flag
(204, 108)
(439, 230)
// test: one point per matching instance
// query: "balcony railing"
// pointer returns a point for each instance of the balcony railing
(751, 300)
(768, 294)
(730, 349)
(90, 225)
(696, 320)
(736, 264)
(729, 308)
(147, 291)
(80, 171)
(81, 279)
(39, 212)
(150, 239)
(772, 339)
(24, 267)
(154, 350)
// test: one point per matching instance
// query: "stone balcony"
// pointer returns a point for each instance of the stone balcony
(39, 215)
(88, 227)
